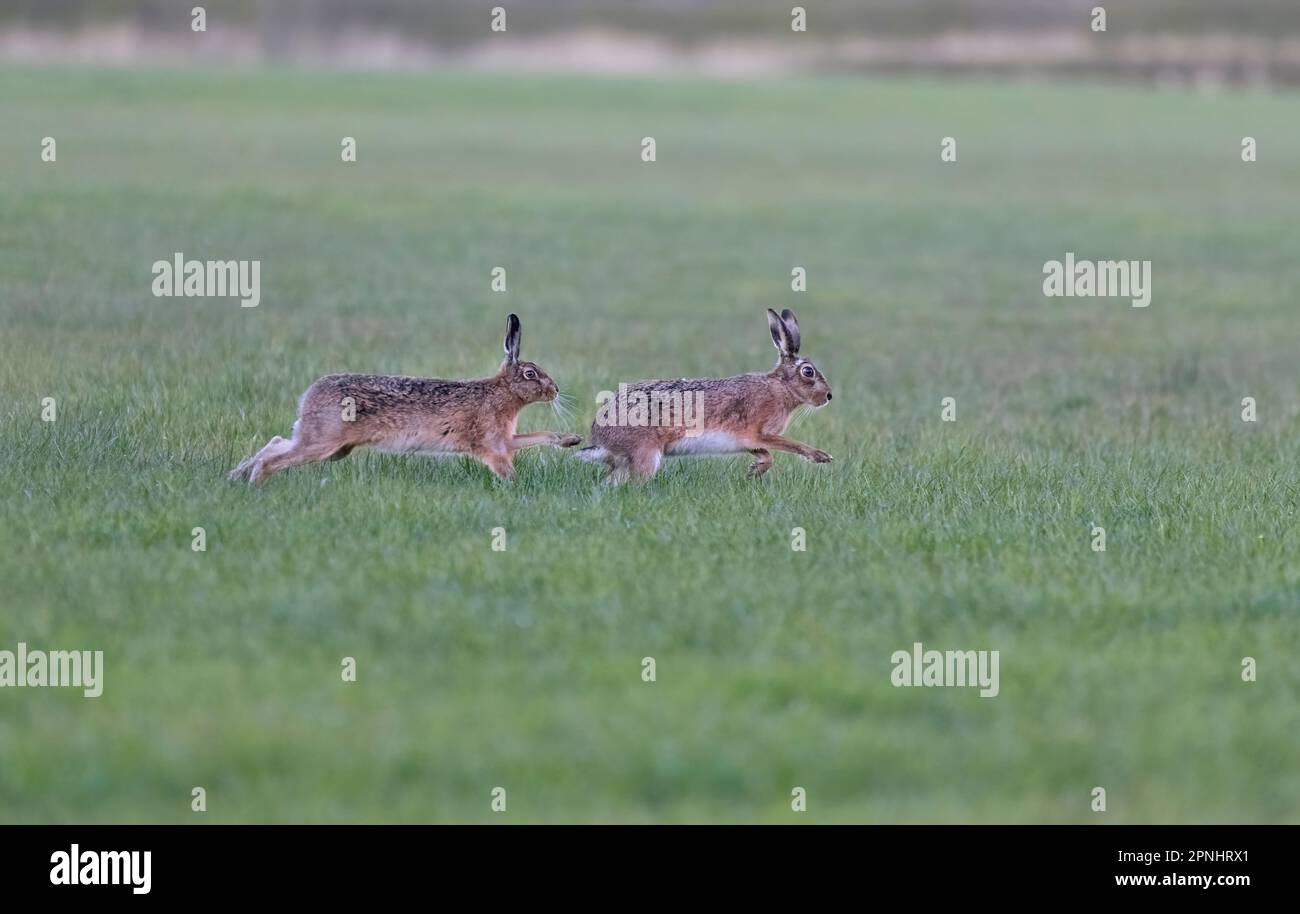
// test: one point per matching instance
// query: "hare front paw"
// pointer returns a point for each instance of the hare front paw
(820, 457)
(568, 441)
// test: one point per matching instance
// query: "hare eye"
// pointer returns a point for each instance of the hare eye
(530, 374)
(807, 371)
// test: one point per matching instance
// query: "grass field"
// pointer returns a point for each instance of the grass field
(522, 669)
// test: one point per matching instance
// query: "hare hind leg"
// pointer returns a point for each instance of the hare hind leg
(293, 453)
(249, 467)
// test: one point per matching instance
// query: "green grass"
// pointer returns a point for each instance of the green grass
(522, 669)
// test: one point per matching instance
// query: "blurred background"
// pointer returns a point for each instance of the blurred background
(1205, 41)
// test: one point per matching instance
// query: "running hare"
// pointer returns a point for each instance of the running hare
(748, 412)
(424, 415)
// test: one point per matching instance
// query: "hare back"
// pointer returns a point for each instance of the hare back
(693, 415)
(428, 415)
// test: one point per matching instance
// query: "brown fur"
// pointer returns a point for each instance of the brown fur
(748, 412)
(423, 415)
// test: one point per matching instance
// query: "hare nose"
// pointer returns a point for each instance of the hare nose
(828, 396)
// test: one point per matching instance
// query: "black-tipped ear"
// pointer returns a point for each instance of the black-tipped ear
(512, 338)
(792, 327)
(780, 335)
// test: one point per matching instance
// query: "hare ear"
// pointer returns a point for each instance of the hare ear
(792, 327)
(512, 339)
(780, 335)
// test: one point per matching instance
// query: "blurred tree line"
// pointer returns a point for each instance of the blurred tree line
(451, 23)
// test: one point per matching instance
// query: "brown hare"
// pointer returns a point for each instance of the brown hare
(748, 412)
(473, 417)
